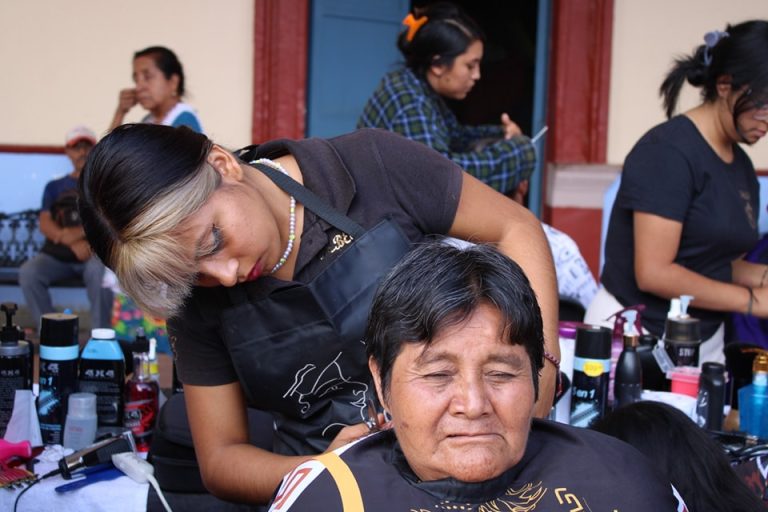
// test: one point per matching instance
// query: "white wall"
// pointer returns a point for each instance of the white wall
(647, 36)
(63, 62)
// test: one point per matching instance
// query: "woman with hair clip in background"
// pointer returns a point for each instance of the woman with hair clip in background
(159, 79)
(443, 48)
(686, 209)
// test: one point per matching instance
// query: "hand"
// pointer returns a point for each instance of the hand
(520, 192)
(352, 433)
(127, 100)
(81, 249)
(510, 127)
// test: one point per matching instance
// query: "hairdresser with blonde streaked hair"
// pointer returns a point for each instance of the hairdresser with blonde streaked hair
(687, 207)
(442, 48)
(266, 261)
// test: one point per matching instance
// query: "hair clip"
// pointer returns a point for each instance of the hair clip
(414, 25)
(710, 40)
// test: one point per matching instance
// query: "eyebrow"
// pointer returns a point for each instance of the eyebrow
(429, 357)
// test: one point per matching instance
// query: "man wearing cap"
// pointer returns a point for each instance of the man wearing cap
(66, 253)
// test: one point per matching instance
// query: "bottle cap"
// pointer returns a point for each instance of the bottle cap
(82, 405)
(712, 368)
(760, 363)
(682, 330)
(59, 330)
(567, 329)
(648, 340)
(103, 334)
(593, 342)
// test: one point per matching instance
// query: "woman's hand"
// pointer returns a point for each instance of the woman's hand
(352, 433)
(510, 127)
(127, 100)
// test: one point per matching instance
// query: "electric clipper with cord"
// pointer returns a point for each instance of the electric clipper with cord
(97, 454)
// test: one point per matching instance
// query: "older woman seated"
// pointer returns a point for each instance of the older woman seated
(455, 347)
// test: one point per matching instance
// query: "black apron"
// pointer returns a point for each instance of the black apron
(299, 352)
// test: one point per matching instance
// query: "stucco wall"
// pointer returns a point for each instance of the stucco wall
(647, 36)
(63, 63)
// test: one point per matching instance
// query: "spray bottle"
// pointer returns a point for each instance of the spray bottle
(141, 395)
(617, 341)
(15, 364)
(591, 368)
(629, 376)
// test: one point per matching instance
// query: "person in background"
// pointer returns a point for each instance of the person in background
(443, 48)
(694, 462)
(66, 253)
(686, 209)
(265, 263)
(159, 80)
(455, 346)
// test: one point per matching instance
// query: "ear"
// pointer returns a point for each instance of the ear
(225, 163)
(437, 69)
(723, 85)
(175, 79)
(373, 367)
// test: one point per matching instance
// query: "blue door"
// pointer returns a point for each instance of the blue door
(351, 46)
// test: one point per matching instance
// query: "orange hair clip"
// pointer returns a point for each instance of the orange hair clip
(413, 25)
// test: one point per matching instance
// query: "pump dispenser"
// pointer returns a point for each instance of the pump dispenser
(629, 376)
(15, 364)
(753, 399)
(682, 333)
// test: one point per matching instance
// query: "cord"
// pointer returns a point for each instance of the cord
(140, 471)
(47, 475)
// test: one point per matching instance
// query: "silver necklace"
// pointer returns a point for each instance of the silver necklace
(291, 217)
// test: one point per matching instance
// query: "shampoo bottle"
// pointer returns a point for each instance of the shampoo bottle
(753, 400)
(102, 372)
(15, 364)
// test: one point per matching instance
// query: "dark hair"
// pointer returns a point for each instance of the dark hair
(692, 461)
(742, 56)
(138, 184)
(438, 285)
(166, 61)
(447, 34)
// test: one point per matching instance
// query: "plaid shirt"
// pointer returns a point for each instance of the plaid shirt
(407, 105)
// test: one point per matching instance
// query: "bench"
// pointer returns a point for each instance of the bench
(20, 239)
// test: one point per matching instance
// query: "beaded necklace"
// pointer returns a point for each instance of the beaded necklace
(291, 221)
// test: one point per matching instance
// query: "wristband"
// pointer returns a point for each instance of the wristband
(555, 361)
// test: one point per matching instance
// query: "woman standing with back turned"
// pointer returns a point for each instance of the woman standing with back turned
(687, 207)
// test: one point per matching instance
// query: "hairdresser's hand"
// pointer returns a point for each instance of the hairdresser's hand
(760, 302)
(510, 127)
(354, 432)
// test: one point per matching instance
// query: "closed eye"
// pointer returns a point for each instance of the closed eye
(215, 246)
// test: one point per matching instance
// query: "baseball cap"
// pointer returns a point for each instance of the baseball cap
(79, 133)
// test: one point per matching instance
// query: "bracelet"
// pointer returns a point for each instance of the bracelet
(555, 361)
(762, 279)
(751, 300)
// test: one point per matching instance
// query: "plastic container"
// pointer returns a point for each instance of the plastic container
(15, 364)
(59, 348)
(682, 339)
(685, 380)
(753, 400)
(628, 385)
(102, 372)
(567, 340)
(81, 424)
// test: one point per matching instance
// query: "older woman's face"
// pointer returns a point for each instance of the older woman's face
(462, 407)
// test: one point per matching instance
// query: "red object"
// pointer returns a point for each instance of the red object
(141, 407)
(685, 380)
(9, 450)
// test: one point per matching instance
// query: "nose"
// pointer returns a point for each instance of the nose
(470, 398)
(222, 270)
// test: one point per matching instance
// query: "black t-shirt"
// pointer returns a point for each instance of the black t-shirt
(366, 175)
(672, 172)
(563, 468)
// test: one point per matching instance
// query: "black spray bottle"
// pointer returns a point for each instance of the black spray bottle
(629, 371)
(15, 364)
(591, 371)
(59, 348)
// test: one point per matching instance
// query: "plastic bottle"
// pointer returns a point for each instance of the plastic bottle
(102, 372)
(567, 346)
(753, 400)
(80, 427)
(629, 371)
(682, 333)
(15, 364)
(59, 348)
(710, 401)
(591, 370)
(141, 397)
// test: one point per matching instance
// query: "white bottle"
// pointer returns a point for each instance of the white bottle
(80, 427)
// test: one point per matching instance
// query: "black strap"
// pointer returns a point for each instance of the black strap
(311, 201)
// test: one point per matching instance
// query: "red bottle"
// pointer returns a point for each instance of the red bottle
(141, 396)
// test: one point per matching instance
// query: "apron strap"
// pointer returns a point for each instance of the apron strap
(311, 201)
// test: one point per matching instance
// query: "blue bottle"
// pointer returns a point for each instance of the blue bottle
(102, 372)
(59, 348)
(753, 400)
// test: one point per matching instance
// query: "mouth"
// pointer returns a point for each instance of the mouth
(255, 273)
